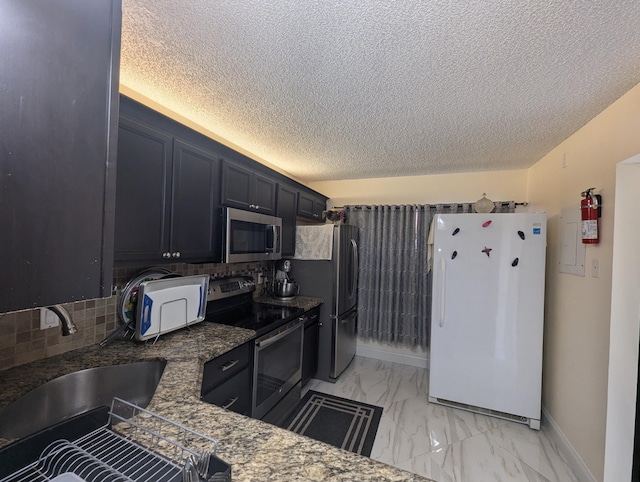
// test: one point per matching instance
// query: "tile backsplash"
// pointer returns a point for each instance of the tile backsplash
(22, 340)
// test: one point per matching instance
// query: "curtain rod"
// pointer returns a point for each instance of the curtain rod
(446, 205)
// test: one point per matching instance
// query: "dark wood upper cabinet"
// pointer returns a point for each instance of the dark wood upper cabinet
(243, 188)
(143, 192)
(172, 183)
(311, 205)
(194, 216)
(58, 137)
(264, 194)
(167, 190)
(287, 210)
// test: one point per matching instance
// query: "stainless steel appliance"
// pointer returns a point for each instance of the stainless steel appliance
(284, 288)
(335, 280)
(277, 371)
(251, 236)
(277, 350)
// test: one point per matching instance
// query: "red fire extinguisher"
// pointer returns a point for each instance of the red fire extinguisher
(591, 211)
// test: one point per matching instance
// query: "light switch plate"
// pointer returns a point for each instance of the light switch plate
(595, 268)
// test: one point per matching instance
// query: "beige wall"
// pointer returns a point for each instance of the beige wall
(577, 309)
(444, 188)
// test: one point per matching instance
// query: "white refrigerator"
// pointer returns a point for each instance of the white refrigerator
(487, 313)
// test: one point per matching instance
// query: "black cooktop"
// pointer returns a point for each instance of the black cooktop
(260, 317)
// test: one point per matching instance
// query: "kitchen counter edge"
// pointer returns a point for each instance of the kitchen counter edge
(255, 449)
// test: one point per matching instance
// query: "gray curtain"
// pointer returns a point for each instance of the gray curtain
(394, 291)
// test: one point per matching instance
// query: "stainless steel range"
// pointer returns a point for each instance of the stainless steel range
(277, 349)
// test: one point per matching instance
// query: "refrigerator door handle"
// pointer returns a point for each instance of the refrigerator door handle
(443, 279)
(354, 267)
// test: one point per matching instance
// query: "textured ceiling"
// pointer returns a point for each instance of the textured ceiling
(344, 89)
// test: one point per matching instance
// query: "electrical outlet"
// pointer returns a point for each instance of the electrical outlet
(48, 319)
(595, 268)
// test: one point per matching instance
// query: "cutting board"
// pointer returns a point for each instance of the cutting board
(166, 305)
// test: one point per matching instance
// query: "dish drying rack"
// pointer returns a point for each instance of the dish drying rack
(136, 445)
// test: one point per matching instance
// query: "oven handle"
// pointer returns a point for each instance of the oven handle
(270, 340)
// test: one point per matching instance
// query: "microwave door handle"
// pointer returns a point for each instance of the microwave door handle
(270, 240)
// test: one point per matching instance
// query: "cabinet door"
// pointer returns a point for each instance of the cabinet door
(58, 97)
(310, 353)
(264, 194)
(310, 205)
(233, 394)
(226, 380)
(287, 210)
(142, 192)
(244, 189)
(236, 186)
(194, 217)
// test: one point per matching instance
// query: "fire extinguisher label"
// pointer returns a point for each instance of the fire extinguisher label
(590, 229)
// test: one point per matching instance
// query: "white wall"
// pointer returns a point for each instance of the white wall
(625, 316)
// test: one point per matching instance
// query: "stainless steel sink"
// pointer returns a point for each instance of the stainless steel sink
(78, 392)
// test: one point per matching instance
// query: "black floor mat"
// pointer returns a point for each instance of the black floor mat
(343, 423)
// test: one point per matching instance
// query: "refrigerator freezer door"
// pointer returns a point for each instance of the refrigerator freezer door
(487, 312)
(345, 245)
(344, 329)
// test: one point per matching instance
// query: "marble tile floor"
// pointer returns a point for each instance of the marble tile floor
(442, 443)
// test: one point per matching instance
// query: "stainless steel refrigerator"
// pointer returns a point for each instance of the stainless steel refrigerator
(335, 279)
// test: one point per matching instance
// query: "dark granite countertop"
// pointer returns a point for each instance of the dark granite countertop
(305, 302)
(256, 450)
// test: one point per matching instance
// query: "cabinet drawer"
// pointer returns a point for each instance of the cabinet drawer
(222, 368)
(234, 394)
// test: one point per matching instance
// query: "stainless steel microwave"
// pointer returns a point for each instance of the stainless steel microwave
(251, 236)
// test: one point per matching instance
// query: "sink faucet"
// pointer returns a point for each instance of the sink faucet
(67, 325)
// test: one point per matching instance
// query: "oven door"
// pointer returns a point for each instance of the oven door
(277, 366)
(251, 236)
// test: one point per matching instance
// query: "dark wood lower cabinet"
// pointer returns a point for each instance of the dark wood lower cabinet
(226, 380)
(233, 394)
(310, 348)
